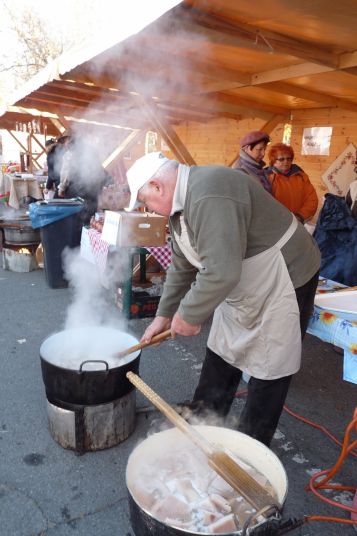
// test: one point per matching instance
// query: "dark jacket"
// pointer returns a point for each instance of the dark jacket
(336, 236)
(54, 164)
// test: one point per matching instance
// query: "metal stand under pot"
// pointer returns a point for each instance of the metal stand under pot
(96, 427)
(90, 402)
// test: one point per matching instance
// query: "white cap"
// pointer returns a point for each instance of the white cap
(141, 171)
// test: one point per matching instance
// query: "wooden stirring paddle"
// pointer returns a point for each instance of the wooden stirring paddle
(156, 339)
(218, 459)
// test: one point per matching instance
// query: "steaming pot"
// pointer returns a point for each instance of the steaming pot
(160, 444)
(79, 366)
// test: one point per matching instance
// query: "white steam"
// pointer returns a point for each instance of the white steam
(92, 304)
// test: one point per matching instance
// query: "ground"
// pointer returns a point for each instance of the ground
(49, 491)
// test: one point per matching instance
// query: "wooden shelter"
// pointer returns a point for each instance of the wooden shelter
(207, 71)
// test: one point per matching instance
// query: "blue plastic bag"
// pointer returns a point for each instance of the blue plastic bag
(42, 214)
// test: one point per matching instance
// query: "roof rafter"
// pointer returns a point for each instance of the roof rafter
(302, 93)
(200, 24)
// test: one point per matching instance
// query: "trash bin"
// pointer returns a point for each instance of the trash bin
(60, 227)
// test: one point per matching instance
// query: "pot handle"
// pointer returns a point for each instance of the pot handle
(94, 361)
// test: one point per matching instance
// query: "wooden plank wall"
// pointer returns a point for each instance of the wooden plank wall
(344, 125)
(218, 140)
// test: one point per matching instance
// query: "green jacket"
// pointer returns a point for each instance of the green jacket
(229, 218)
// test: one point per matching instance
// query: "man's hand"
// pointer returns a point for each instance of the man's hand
(158, 325)
(179, 326)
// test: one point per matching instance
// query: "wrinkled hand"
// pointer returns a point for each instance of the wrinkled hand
(158, 325)
(179, 326)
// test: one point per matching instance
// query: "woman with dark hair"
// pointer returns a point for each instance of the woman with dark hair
(252, 150)
(289, 183)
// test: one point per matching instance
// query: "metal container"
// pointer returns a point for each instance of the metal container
(158, 445)
(20, 232)
(79, 366)
(90, 428)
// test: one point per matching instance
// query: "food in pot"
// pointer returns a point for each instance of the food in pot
(178, 488)
(70, 348)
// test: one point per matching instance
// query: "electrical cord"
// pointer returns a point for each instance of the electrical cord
(347, 448)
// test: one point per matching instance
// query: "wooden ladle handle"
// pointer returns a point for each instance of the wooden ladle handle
(155, 339)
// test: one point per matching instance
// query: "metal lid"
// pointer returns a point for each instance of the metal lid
(70, 348)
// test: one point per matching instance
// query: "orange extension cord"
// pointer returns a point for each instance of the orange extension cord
(347, 447)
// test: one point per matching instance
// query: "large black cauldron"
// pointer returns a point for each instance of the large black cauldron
(79, 366)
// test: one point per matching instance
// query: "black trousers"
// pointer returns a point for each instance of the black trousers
(265, 400)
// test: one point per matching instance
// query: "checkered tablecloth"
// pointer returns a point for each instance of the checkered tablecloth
(99, 247)
(162, 254)
(99, 250)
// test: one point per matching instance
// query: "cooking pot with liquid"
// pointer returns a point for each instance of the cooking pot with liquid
(170, 444)
(79, 365)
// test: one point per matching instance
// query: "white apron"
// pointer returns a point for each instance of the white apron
(257, 327)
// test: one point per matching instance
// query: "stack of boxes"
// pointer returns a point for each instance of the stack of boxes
(139, 295)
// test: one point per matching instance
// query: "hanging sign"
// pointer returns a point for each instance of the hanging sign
(316, 141)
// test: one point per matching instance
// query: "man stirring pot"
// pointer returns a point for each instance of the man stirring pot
(243, 256)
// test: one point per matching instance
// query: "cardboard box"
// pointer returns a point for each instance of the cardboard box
(86, 248)
(129, 229)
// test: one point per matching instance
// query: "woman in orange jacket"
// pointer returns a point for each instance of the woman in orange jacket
(289, 183)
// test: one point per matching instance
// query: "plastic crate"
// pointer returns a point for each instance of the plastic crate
(141, 305)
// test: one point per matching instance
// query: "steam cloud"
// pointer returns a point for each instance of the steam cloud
(92, 304)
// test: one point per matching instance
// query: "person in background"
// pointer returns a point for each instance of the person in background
(252, 150)
(55, 153)
(289, 183)
(82, 175)
(256, 273)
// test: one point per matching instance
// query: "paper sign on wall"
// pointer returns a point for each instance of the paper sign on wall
(316, 140)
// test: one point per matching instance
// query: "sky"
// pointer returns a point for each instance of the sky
(92, 21)
(95, 22)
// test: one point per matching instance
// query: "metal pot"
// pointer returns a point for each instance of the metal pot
(158, 445)
(79, 366)
(18, 232)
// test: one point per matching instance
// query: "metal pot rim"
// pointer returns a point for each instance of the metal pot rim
(213, 433)
(74, 362)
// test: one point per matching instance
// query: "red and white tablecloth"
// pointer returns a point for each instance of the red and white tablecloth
(99, 247)
(162, 254)
(94, 249)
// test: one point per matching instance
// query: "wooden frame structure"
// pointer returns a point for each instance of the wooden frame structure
(202, 60)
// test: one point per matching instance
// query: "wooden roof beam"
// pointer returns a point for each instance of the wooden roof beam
(346, 62)
(199, 24)
(167, 132)
(82, 87)
(121, 120)
(306, 94)
(189, 102)
(249, 104)
(59, 125)
(269, 126)
(220, 105)
(133, 137)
